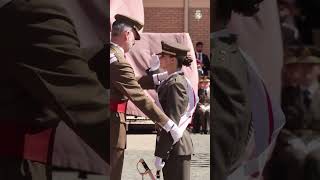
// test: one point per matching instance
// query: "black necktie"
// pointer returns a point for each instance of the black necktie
(306, 98)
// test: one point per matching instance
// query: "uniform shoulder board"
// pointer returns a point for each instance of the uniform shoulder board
(113, 58)
(172, 80)
(117, 53)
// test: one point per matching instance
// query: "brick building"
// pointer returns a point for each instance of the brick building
(173, 16)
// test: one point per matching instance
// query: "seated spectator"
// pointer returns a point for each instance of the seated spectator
(294, 155)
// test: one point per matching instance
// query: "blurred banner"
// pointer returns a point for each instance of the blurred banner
(260, 37)
(89, 18)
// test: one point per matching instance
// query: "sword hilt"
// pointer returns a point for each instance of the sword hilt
(158, 174)
(147, 169)
(145, 165)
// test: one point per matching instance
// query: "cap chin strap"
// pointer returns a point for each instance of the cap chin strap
(168, 52)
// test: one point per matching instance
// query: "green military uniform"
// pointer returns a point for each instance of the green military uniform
(125, 86)
(231, 111)
(296, 154)
(174, 100)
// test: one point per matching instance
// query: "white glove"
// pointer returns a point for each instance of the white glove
(159, 163)
(154, 62)
(157, 78)
(174, 130)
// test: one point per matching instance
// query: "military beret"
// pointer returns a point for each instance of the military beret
(309, 60)
(135, 24)
(315, 51)
(174, 49)
(303, 60)
(204, 80)
(310, 55)
(291, 60)
(307, 55)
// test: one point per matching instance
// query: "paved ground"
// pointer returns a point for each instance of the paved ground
(142, 146)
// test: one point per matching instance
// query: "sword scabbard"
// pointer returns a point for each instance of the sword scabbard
(151, 175)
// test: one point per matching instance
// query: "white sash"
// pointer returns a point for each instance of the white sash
(260, 146)
(186, 118)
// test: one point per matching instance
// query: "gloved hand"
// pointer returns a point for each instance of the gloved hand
(159, 163)
(157, 78)
(176, 133)
(154, 62)
(174, 130)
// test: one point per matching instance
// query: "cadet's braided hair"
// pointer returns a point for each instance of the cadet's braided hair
(224, 8)
(183, 60)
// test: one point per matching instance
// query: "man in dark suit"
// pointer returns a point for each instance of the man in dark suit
(54, 108)
(202, 58)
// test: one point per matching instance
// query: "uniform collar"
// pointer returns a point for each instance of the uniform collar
(220, 33)
(179, 72)
(116, 45)
(224, 39)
